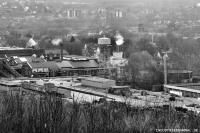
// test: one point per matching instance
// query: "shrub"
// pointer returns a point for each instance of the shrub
(50, 114)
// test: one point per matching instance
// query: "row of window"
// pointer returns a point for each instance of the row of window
(184, 93)
(40, 51)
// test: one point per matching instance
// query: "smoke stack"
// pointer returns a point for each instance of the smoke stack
(61, 51)
(57, 42)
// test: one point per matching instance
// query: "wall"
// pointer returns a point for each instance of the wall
(92, 83)
(109, 84)
(103, 84)
(183, 92)
(26, 70)
(11, 90)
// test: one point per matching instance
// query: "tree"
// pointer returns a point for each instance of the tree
(162, 43)
(134, 66)
(28, 35)
(171, 39)
(73, 48)
(140, 63)
(129, 46)
(72, 39)
(144, 45)
(173, 26)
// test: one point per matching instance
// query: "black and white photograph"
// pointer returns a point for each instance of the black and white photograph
(99, 66)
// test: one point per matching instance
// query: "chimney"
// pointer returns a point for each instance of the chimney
(61, 51)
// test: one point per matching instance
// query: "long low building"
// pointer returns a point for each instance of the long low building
(98, 82)
(11, 51)
(186, 90)
(9, 87)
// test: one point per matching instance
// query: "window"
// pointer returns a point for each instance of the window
(26, 71)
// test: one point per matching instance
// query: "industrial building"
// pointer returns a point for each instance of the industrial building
(39, 68)
(54, 54)
(179, 76)
(6, 70)
(118, 61)
(11, 51)
(186, 90)
(98, 82)
(74, 65)
(10, 87)
(69, 66)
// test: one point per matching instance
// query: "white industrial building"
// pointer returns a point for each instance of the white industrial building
(98, 82)
(186, 90)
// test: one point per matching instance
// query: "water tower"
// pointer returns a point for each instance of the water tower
(104, 45)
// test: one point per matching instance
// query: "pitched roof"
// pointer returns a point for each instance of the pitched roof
(30, 59)
(20, 60)
(37, 62)
(38, 65)
(77, 64)
(52, 65)
(97, 79)
(85, 64)
(64, 64)
(79, 57)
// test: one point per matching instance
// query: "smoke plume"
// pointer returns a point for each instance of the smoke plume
(56, 41)
(119, 39)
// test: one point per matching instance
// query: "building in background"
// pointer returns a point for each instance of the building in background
(73, 65)
(118, 62)
(104, 45)
(15, 51)
(117, 14)
(54, 54)
(186, 90)
(98, 82)
(10, 87)
(74, 13)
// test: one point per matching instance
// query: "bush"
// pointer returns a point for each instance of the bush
(49, 114)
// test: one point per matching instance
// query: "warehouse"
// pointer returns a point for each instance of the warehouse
(10, 87)
(98, 82)
(186, 90)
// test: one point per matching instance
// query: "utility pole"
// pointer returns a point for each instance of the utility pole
(165, 68)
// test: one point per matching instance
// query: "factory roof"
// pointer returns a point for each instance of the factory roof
(179, 71)
(78, 57)
(85, 64)
(20, 60)
(78, 64)
(55, 51)
(9, 83)
(52, 65)
(38, 65)
(191, 87)
(11, 48)
(64, 64)
(97, 79)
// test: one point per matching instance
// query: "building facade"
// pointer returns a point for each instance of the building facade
(20, 52)
(186, 90)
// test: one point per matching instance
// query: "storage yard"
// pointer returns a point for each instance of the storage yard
(71, 88)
